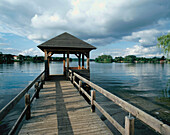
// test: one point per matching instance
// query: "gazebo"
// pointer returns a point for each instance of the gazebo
(66, 44)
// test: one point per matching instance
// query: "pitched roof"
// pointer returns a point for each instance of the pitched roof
(66, 40)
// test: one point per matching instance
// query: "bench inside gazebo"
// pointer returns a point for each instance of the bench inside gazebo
(67, 44)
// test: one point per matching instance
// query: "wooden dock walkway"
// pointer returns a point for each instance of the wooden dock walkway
(61, 110)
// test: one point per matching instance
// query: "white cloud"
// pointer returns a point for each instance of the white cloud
(141, 51)
(9, 51)
(31, 51)
(86, 19)
(136, 50)
(100, 41)
(145, 37)
(98, 22)
(37, 38)
(48, 21)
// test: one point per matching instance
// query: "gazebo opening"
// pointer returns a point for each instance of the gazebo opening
(67, 44)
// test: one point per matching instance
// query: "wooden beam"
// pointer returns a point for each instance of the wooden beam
(46, 64)
(67, 60)
(46, 55)
(50, 53)
(64, 64)
(71, 51)
(82, 60)
(76, 54)
(154, 123)
(88, 60)
(79, 66)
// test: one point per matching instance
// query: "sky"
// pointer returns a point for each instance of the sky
(115, 27)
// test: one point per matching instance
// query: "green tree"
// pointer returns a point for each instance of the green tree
(1, 57)
(118, 59)
(130, 58)
(21, 58)
(164, 43)
(104, 59)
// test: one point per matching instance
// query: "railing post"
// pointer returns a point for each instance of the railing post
(80, 85)
(27, 103)
(42, 82)
(67, 76)
(37, 89)
(74, 78)
(93, 97)
(129, 125)
(71, 77)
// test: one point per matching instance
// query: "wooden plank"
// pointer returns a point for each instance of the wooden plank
(63, 112)
(141, 115)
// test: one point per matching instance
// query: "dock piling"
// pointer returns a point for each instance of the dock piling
(129, 125)
(37, 90)
(27, 103)
(93, 97)
(80, 85)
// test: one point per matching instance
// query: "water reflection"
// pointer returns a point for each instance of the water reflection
(140, 84)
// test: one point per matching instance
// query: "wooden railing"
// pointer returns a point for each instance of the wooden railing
(154, 123)
(4, 111)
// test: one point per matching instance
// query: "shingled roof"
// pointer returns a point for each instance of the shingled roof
(65, 41)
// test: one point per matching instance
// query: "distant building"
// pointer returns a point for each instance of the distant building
(15, 57)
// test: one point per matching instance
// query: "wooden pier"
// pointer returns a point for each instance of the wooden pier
(60, 106)
(61, 110)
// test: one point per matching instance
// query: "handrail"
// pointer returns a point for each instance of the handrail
(14, 128)
(113, 121)
(141, 115)
(4, 111)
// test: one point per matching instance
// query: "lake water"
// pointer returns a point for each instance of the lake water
(147, 86)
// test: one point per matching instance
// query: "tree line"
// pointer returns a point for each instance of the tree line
(9, 58)
(130, 59)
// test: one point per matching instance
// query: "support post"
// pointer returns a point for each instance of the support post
(67, 73)
(46, 65)
(129, 125)
(48, 71)
(88, 61)
(93, 97)
(67, 60)
(27, 103)
(83, 61)
(64, 64)
(80, 85)
(37, 90)
(79, 63)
